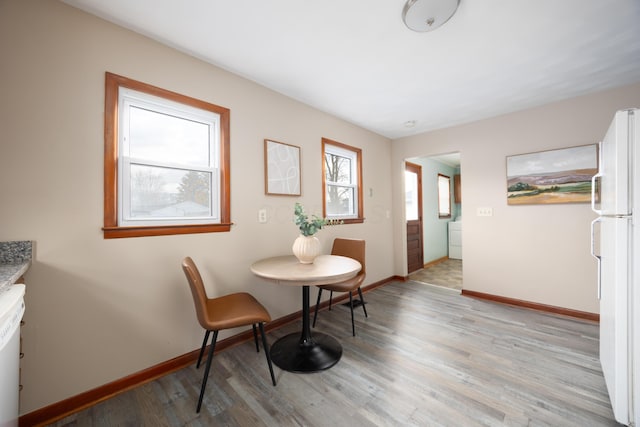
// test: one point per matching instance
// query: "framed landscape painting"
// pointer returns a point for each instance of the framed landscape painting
(554, 176)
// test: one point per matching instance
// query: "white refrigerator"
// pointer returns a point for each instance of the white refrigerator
(615, 243)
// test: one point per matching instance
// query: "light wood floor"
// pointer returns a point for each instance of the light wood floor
(424, 357)
(447, 274)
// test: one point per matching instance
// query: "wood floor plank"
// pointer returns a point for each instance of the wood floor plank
(423, 357)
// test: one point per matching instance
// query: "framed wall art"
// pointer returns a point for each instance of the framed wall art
(554, 176)
(282, 168)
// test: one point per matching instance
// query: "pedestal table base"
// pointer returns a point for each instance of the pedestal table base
(293, 354)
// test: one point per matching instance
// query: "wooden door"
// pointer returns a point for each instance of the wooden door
(413, 211)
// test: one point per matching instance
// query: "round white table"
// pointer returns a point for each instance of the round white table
(303, 352)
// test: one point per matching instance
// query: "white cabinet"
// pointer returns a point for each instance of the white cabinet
(11, 311)
(455, 239)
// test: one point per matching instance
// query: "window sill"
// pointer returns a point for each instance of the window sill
(166, 230)
(351, 220)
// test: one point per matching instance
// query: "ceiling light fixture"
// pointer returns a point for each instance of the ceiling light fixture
(427, 15)
(409, 123)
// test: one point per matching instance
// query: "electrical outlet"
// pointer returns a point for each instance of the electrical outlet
(262, 216)
(484, 211)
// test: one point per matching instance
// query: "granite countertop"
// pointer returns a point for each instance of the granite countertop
(15, 260)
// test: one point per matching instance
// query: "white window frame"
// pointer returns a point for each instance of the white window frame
(354, 155)
(129, 98)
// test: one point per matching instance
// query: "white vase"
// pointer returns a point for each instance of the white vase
(306, 248)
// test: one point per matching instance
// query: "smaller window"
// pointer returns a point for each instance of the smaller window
(342, 179)
(444, 196)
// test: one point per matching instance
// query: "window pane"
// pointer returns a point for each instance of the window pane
(444, 196)
(342, 168)
(169, 193)
(160, 137)
(338, 169)
(340, 200)
(411, 195)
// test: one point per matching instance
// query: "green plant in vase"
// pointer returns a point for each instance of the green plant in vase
(307, 247)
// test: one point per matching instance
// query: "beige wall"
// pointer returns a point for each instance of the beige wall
(538, 253)
(97, 309)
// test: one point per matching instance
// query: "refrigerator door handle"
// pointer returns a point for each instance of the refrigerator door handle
(594, 194)
(596, 256)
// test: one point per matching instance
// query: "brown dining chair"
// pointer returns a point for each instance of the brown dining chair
(352, 248)
(226, 312)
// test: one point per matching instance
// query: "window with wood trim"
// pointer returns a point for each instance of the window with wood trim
(342, 182)
(166, 167)
(444, 196)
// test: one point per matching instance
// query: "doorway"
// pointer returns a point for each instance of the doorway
(441, 262)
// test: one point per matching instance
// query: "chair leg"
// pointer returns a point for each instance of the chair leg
(255, 337)
(362, 300)
(204, 344)
(206, 371)
(330, 298)
(266, 351)
(353, 323)
(315, 313)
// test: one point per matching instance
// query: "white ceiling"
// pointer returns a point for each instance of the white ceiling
(355, 59)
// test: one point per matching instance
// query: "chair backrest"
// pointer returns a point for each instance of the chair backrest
(352, 248)
(197, 289)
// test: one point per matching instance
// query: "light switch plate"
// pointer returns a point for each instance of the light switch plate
(262, 216)
(484, 211)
